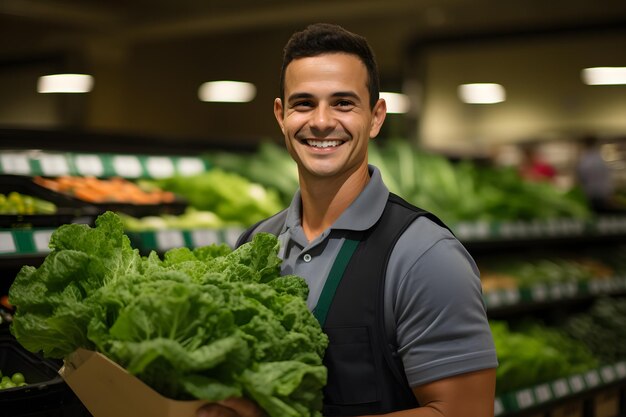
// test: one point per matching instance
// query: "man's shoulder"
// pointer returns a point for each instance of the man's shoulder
(418, 213)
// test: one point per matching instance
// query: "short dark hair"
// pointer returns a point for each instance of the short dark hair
(325, 38)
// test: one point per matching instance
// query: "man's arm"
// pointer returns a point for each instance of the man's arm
(466, 395)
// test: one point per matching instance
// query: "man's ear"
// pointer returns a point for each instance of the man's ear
(279, 114)
(379, 112)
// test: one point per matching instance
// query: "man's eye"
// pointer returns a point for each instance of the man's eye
(344, 104)
(302, 104)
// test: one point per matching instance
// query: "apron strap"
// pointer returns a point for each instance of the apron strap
(334, 278)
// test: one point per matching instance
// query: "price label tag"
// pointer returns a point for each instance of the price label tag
(160, 167)
(595, 286)
(89, 165)
(53, 165)
(592, 378)
(543, 393)
(552, 227)
(15, 163)
(506, 230)
(231, 235)
(498, 408)
(512, 296)
(168, 239)
(127, 166)
(525, 398)
(7, 245)
(535, 228)
(464, 231)
(190, 166)
(560, 388)
(608, 374)
(556, 291)
(41, 239)
(570, 289)
(539, 292)
(482, 230)
(620, 369)
(577, 227)
(577, 383)
(204, 237)
(494, 298)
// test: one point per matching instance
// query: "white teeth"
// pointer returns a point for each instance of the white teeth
(323, 143)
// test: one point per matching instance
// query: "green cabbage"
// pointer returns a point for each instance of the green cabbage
(208, 323)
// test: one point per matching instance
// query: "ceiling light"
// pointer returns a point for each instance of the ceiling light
(396, 102)
(227, 91)
(604, 75)
(65, 83)
(481, 93)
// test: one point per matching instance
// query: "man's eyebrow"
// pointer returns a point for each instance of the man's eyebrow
(298, 96)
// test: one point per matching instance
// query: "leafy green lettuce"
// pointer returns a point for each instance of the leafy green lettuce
(208, 323)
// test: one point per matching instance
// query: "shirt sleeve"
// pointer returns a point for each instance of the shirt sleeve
(433, 291)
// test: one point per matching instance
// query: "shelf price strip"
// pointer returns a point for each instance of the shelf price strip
(25, 242)
(560, 388)
(163, 240)
(7, 244)
(54, 164)
(539, 293)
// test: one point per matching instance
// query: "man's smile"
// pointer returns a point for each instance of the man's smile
(323, 143)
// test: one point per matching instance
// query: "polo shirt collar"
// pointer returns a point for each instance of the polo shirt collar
(359, 216)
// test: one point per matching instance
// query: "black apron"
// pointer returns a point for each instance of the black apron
(365, 374)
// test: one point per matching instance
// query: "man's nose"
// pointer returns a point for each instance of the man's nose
(322, 118)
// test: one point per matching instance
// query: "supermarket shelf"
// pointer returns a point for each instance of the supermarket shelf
(17, 243)
(544, 396)
(52, 164)
(504, 301)
(523, 231)
(162, 240)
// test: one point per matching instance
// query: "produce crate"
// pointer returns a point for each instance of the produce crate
(606, 403)
(573, 408)
(68, 209)
(46, 394)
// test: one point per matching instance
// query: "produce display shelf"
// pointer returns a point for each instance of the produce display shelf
(103, 165)
(162, 240)
(542, 293)
(35, 241)
(605, 225)
(25, 241)
(545, 394)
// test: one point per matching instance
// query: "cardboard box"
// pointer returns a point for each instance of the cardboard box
(108, 390)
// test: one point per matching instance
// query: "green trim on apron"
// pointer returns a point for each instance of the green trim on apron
(334, 278)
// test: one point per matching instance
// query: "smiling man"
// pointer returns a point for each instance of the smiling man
(397, 294)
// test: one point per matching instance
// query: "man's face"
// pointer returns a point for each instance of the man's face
(326, 117)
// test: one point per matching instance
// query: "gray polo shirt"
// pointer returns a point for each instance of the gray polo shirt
(433, 297)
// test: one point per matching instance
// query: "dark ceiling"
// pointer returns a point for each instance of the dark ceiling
(32, 27)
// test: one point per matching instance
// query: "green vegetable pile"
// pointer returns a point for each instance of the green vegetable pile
(271, 166)
(535, 353)
(463, 191)
(209, 323)
(602, 328)
(15, 380)
(467, 191)
(17, 203)
(233, 198)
